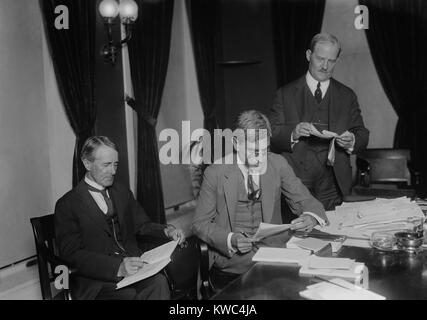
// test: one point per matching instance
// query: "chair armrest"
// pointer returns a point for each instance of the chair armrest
(54, 260)
(363, 168)
(415, 174)
(206, 289)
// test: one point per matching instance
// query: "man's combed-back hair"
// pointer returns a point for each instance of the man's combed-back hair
(92, 144)
(253, 119)
(325, 37)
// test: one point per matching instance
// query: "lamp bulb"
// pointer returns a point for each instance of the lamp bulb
(109, 8)
(128, 10)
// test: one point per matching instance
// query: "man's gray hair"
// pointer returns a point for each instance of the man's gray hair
(92, 144)
(325, 37)
(253, 119)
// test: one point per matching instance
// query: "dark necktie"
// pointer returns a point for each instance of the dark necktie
(318, 93)
(108, 201)
(252, 193)
(110, 215)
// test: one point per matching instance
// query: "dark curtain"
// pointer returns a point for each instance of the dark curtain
(397, 40)
(73, 57)
(149, 57)
(202, 16)
(295, 22)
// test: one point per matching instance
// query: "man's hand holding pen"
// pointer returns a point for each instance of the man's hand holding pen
(242, 242)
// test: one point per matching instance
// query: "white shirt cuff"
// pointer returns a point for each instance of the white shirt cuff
(321, 222)
(229, 245)
(293, 142)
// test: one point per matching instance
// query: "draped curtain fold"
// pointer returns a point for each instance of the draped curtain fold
(295, 22)
(149, 57)
(202, 16)
(396, 38)
(73, 55)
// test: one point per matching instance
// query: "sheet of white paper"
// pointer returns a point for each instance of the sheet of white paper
(339, 290)
(312, 244)
(357, 243)
(160, 253)
(316, 262)
(325, 134)
(292, 244)
(285, 255)
(268, 229)
(146, 271)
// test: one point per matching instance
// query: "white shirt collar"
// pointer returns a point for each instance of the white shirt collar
(93, 183)
(312, 84)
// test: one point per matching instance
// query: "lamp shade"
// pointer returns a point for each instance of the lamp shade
(108, 8)
(128, 10)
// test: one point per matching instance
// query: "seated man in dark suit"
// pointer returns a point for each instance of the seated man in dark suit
(96, 226)
(235, 198)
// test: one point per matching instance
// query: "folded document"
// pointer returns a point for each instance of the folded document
(155, 260)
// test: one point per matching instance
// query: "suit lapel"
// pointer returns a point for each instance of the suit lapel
(267, 196)
(230, 191)
(303, 112)
(91, 207)
(119, 205)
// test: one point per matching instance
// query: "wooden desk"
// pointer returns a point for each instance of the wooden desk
(393, 275)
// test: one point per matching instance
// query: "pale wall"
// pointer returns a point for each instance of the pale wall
(356, 70)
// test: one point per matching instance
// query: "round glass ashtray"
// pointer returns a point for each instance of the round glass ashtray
(382, 240)
(409, 240)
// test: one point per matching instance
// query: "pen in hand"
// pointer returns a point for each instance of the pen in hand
(248, 236)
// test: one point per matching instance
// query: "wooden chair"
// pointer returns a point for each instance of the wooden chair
(385, 172)
(47, 259)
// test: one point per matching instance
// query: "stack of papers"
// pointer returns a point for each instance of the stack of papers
(334, 267)
(284, 255)
(155, 260)
(312, 244)
(338, 289)
(358, 220)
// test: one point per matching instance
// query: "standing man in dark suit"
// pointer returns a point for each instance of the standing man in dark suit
(236, 197)
(318, 100)
(96, 224)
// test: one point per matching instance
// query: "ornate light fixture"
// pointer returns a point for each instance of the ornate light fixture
(109, 10)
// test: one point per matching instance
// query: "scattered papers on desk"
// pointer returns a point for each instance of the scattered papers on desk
(338, 289)
(156, 259)
(360, 243)
(316, 262)
(360, 219)
(285, 255)
(267, 229)
(312, 244)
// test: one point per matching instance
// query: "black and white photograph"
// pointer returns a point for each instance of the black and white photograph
(214, 155)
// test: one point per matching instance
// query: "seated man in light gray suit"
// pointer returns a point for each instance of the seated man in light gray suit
(235, 198)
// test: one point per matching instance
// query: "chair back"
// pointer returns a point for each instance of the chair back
(182, 272)
(44, 237)
(389, 166)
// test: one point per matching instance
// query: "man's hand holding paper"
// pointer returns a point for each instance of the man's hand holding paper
(130, 266)
(303, 129)
(305, 223)
(346, 140)
(241, 242)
